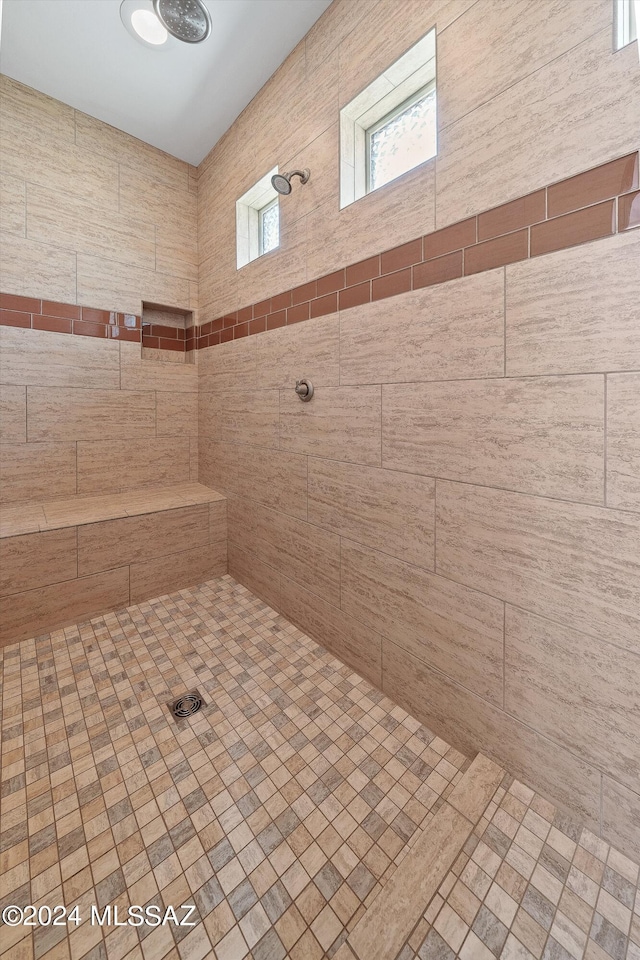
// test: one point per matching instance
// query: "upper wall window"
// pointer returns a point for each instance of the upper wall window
(625, 26)
(391, 126)
(257, 221)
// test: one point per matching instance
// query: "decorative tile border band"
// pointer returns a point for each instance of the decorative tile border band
(156, 336)
(588, 206)
(37, 314)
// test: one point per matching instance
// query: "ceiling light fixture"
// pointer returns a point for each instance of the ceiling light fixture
(142, 22)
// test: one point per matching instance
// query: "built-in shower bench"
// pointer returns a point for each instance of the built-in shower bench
(62, 561)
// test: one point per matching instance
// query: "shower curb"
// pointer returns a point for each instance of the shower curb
(383, 930)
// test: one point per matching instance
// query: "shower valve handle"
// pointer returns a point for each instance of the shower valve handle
(304, 389)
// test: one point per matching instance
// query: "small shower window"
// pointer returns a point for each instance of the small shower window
(625, 26)
(257, 221)
(269, 227)
(402, 139)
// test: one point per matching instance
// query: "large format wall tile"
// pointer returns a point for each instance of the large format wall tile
(277, 480)
(258, 576)
(241, 415)
(13, 414)
(229, 364)
(109, 465)
(13, 206)
(139, 374)
(33, 269)
(116, 543)
(351, 641)
(576, 690)
(472, 724)
(456, 630)
(310, 349)
(300, 551)
(623, 441)
(37, 559)
(176, 414)
(339, 423)
(41, 359)
(32, 471)
(449, 332)
(576, 564)
(550, 125)
(153, 578)
(45, 608)
(389, 511)
(58, 414)
(621, 816)
(575, 311)
(218, 465)
(124, 287)
(543, 436)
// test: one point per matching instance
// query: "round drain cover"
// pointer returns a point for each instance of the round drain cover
(187, 705)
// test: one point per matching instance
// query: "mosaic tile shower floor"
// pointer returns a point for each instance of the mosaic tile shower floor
(279, 811)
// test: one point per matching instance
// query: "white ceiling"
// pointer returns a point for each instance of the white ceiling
(181, 99)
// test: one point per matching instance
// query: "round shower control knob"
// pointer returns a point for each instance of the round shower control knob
(304, 389)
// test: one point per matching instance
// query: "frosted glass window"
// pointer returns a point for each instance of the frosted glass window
(269, 227)
(625, 23)
(402, 141)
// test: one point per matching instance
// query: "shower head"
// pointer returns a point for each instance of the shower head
(187, 20)
(281, 182)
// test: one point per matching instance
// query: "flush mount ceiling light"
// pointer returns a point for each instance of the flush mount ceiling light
(187, 20)
(141, 21)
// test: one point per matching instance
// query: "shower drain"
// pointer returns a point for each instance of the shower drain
(186, 705)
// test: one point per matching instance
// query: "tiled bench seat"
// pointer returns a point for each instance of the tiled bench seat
(66, 560)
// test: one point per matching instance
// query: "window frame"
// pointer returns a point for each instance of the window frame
(397, 111)
(625, 26)
(261, 212)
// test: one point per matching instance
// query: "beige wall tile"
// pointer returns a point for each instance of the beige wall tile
(623, 441)
(573, 563)
(154, 578)
(532, 33)
(37, 559)
(478, 166)
(139, 374)
(575, 311)
(620, 817)
(228, 364)
(456, 630)
(176, 414)
(21, 107)
(390, 511)
(218, 465)
(257, 576)
(176, 252)
(277, 480)
(288, 263)
(147, 199)
(335, 24)
(45, 608)
(31, 471)
(340, 423)
(472, 724)
(543, 436)
(41, 359)
(576, 690)
(450, 332)
(19, 518)
(347, 638)
(116, 543)
(108, 465)
(319, 155)
(299, 551)
(61, 414)
(116, 286)
(13, 414)
(34, 269)
(13, 206)
(310, 349)
(241, 415)
(218, 521)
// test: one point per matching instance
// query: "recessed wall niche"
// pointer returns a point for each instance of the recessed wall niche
(168, 334)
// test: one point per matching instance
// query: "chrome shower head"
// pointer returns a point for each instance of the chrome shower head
(187, 20)
(281, 182)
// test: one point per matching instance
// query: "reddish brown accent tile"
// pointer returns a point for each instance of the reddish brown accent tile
(629, 211)
(84, 329)
(11, 318)
(601, 183)
(216, 325)
(225, 335)
(364, 270)
(67, 310)
(354, 296)
(169, 333)
(101, 316)
(262, 309)
(176, 345)
(53, 324)
(230, 319)
(323, 305)
(259, 325)
(298, 313)
(281, 302)
(205, 329)
(496, 253)
(10, 301)
(391, 284)
(331, 282)
(153, 343)
(449, 239)
(123, 333)
(579, 227)
(245, 314)
(437, 271)
(403, 256)
(512, 216)
(240, 330)
(307, 291)
(276, 320)
(215, 339)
